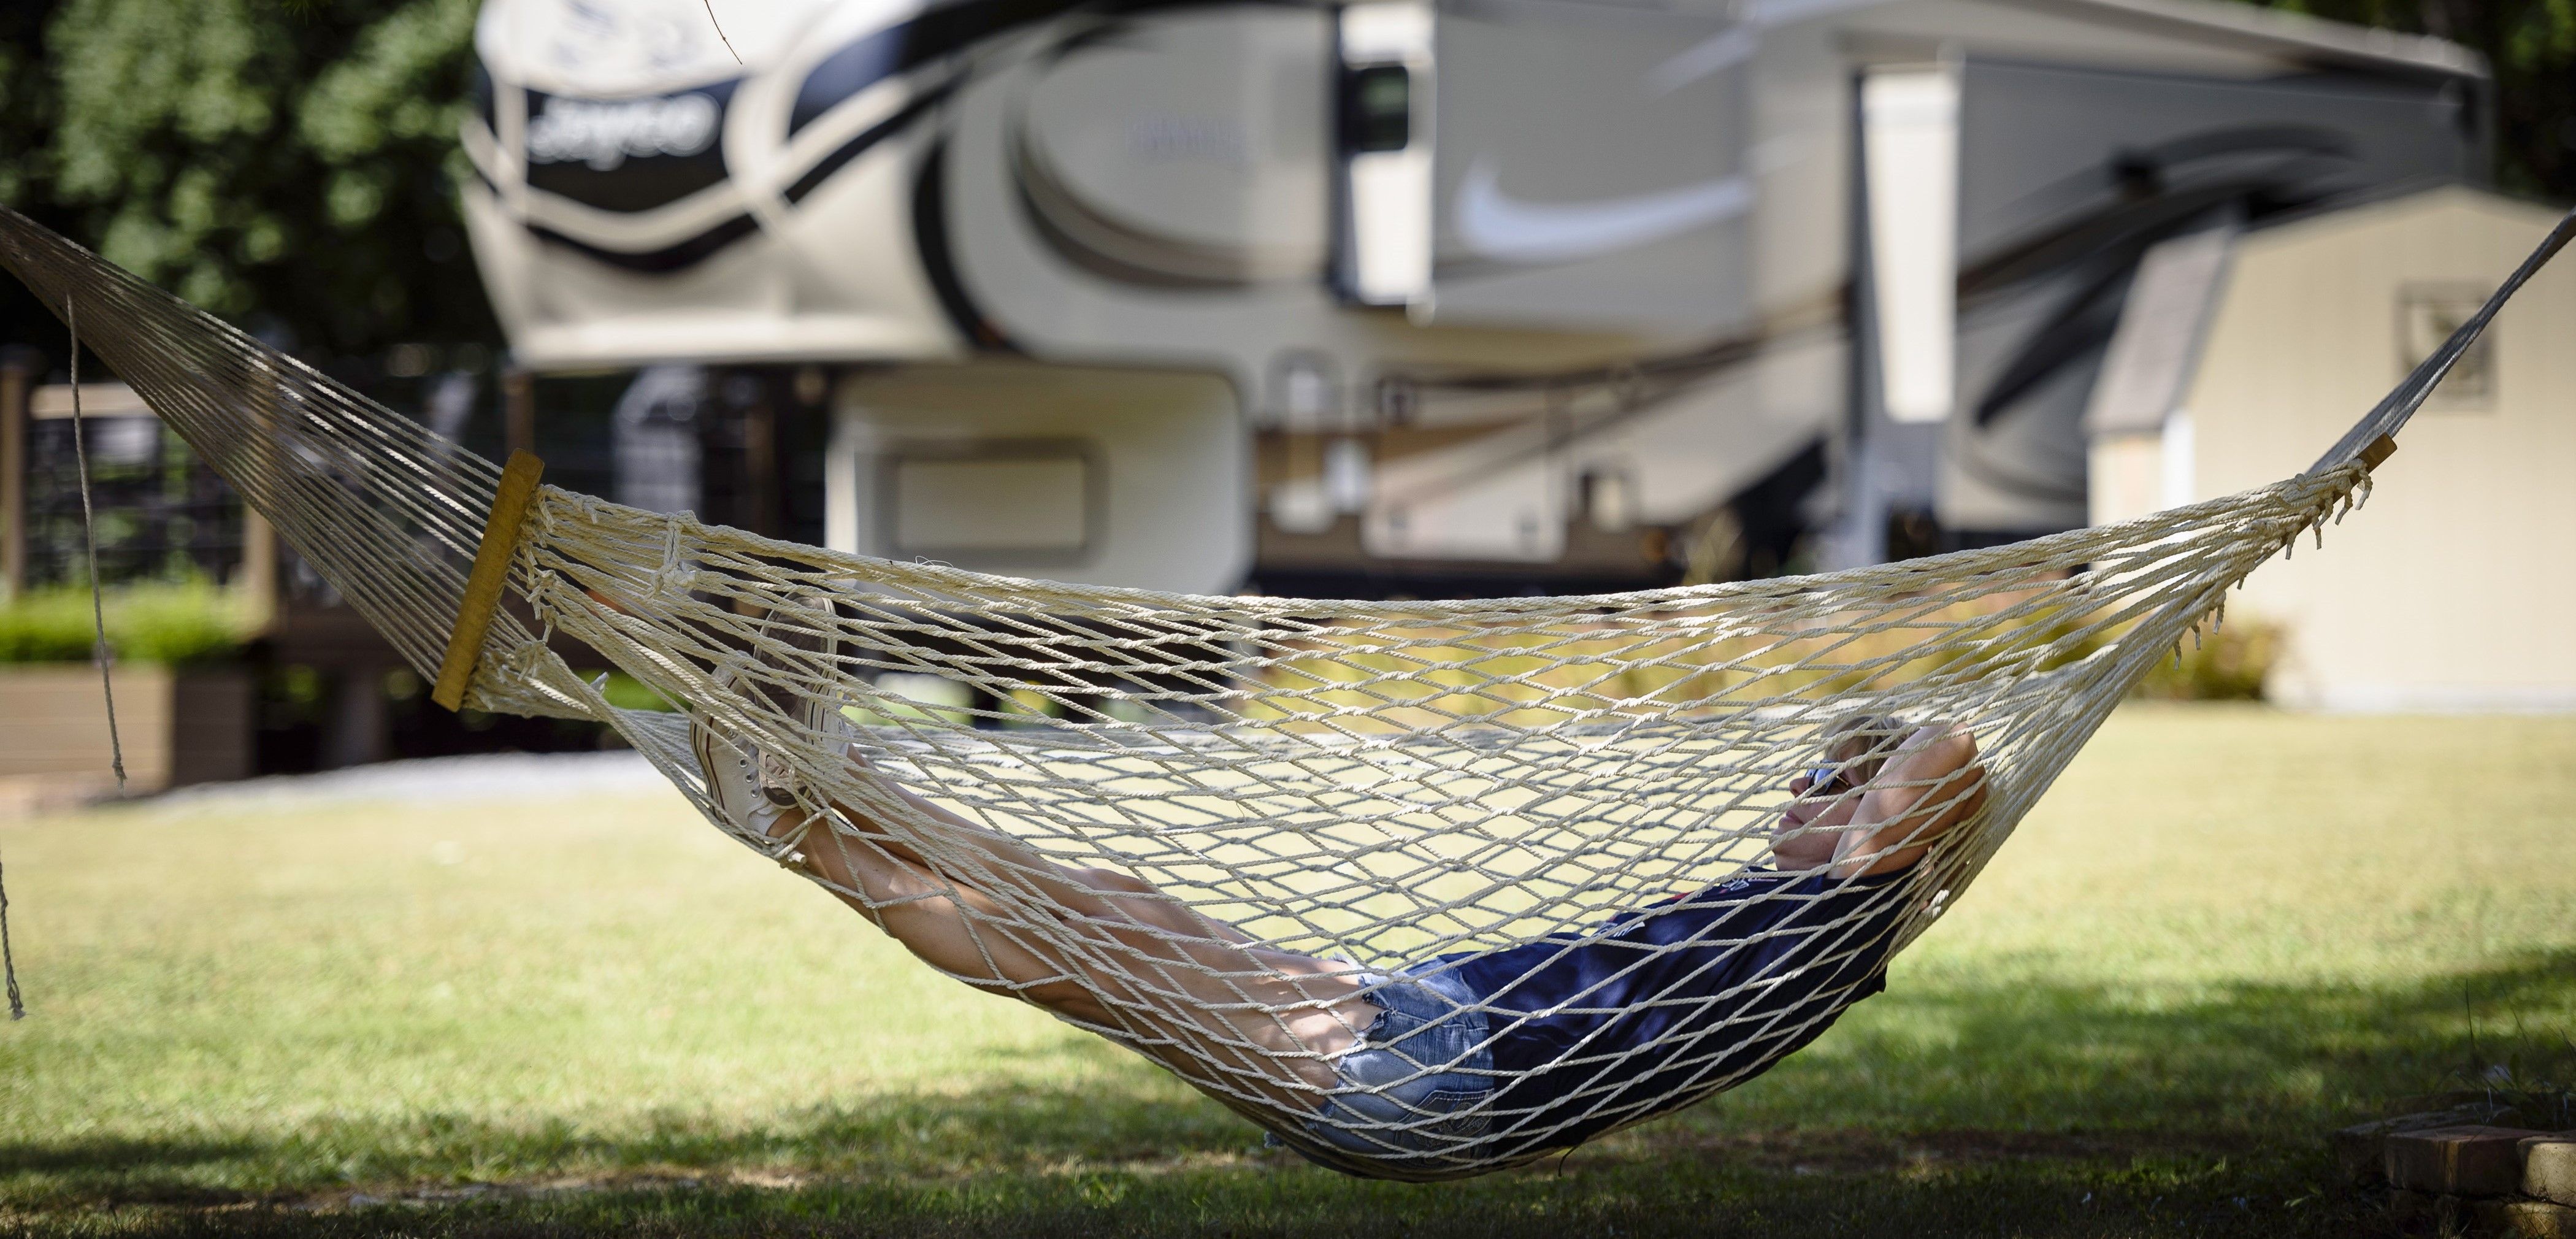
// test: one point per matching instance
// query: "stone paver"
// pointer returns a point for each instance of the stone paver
(2549, 1167)
(2458, 1161)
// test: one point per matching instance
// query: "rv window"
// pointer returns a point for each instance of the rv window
(1377, 109)
(1015, 505)
(2427, 314)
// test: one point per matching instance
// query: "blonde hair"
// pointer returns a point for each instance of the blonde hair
(1858, 745)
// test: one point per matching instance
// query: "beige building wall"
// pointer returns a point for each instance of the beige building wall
(2456, 587)
(2124, 477)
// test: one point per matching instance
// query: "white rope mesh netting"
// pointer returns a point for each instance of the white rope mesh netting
(1389, 785)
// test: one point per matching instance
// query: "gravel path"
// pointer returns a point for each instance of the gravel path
(488, 776)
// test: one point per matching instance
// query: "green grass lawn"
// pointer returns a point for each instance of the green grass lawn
(2224, 933)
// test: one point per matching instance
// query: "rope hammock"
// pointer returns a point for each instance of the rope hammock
(1408, 790)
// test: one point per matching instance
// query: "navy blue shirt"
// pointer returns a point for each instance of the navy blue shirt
(1661, 1006)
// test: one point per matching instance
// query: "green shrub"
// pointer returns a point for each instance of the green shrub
(628, 693)
(2226, 665)
(185, 622)
(48, 627)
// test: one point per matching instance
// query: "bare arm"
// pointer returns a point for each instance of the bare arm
(1928, 786)
(1918, 798)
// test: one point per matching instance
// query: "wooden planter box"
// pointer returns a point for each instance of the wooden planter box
(179, 725)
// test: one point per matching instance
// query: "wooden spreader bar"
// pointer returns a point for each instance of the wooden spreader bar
(491, 572)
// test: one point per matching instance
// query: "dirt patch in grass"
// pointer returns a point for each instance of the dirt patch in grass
(1861, 1151)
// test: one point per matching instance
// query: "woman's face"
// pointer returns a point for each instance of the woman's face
(1825, 799)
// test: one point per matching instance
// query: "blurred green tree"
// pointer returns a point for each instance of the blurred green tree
(2530, 46)
(290, 165)
(30, 100)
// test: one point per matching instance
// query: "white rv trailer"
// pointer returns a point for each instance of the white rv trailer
(1469, 295)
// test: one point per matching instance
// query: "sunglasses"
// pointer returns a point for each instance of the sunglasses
(1823, 781)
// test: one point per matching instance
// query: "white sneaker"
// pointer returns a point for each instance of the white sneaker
(733, 778)
(752, 787)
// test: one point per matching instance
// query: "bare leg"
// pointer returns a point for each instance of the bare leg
(1192, 992)
(1093, 946)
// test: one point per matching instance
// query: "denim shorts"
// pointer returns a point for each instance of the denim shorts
(1416, 1082)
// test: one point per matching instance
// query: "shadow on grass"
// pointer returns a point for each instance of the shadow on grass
(2244, 1061)
(1608, 1198)
(1948, 1106)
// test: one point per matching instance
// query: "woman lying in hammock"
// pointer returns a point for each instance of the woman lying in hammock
(1456, 1061)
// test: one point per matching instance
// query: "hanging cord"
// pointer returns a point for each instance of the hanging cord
(89, 525)
(9, 959)
(711, 20)
(98, 621)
